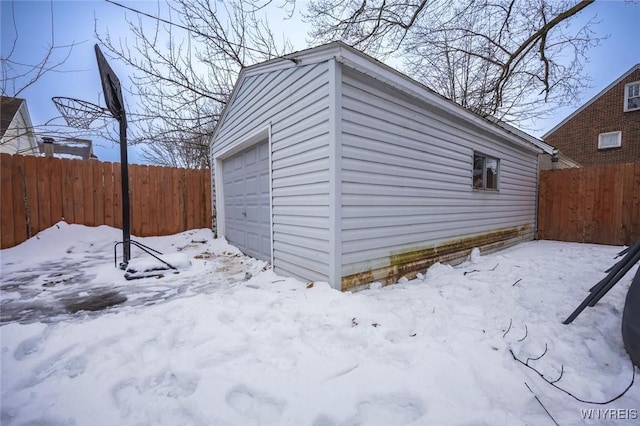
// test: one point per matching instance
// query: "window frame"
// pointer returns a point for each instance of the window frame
(485, 157)
(617, 132)
(626, 96)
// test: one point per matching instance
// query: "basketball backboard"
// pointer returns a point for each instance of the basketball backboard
(110, 86)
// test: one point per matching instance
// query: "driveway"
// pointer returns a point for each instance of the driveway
(81, 278)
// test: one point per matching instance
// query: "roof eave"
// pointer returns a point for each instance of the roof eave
(360, 62)
(357, 60)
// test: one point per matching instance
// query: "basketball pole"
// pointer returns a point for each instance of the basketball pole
(124, 172)
(115, 103)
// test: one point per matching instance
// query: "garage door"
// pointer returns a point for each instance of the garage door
(245, 178)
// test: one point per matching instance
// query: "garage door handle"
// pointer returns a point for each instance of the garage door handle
(244, 214)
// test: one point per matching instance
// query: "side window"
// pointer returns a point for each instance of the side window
(609, 140)
(632, 96)
(485, 172)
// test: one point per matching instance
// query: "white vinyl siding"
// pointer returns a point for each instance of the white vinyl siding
(407, 177)
(295, 102)
(360, 171)
(19, 137)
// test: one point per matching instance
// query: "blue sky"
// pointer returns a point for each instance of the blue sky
(618, 21)
(74, 22)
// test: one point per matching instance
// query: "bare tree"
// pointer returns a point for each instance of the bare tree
(175, 150)
(17, 76)
(185, 59)
(510, 59)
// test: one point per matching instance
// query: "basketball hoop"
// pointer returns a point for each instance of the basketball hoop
(78, 113)
(81, 114)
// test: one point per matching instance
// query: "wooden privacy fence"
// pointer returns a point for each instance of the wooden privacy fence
(37, 192)
(590, 205)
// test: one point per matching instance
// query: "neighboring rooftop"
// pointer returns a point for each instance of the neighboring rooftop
(72, 148)
(592, 100)
(8, 109)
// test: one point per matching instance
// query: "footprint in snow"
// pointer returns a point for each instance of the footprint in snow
(255, 405)
(176, 385)
(390, 410)
(28, 347)
(168, 384)
(126, 395)
(75, 366)
(323, 420)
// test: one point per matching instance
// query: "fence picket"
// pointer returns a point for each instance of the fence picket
(206, 189)
(31, 202)
(635, 206)
(152, 213)
(7, 236)
(117, 196)
(19, 193)
(78, 194)
(43, 181)
(87, 193)
(67, 190)
(98, 192)
(56, 192)
(175, 201)
(141, 225)
(589, 176)
(191, 196)
(107, 180)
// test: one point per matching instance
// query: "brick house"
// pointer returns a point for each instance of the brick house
(606, 129)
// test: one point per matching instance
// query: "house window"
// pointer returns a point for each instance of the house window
(485, 172)
(632, 96)
(609, 140)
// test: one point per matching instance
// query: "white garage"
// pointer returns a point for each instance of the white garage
(245, 180)
(334, 167)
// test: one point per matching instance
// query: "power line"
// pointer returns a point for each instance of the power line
(191, 30)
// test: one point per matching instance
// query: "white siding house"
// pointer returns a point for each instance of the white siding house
(334, 167)
(16, 130)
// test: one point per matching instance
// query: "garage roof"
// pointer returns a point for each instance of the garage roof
(352, 58)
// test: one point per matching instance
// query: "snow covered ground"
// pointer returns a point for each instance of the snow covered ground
(229, 342)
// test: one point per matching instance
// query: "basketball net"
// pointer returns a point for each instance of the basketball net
(78, 113)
